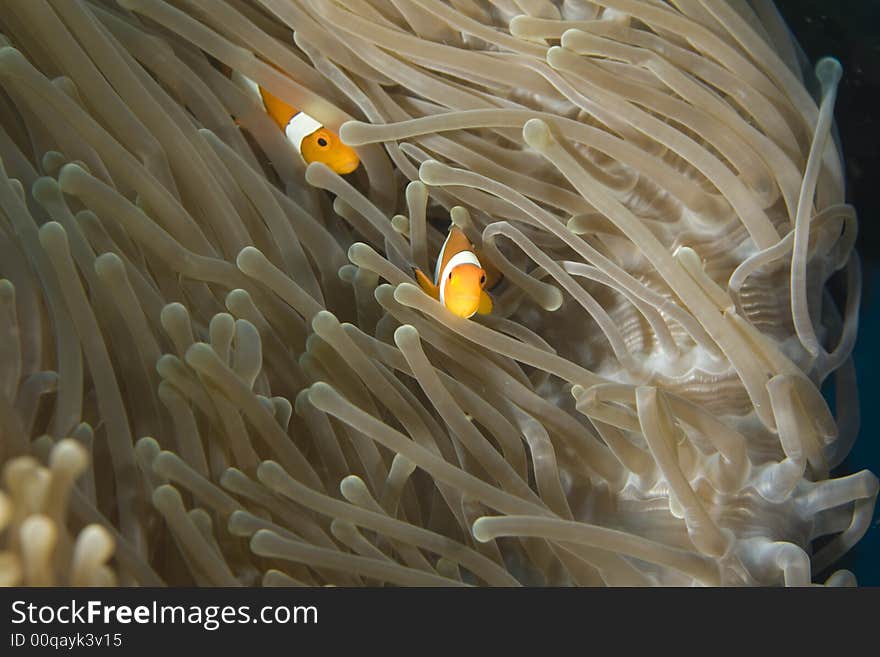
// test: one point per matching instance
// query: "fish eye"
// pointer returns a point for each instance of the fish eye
(450, 276)
(483, 279)
(322, 142)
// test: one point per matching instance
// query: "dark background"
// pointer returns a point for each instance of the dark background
(850, 31)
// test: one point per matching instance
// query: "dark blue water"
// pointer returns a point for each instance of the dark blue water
(850, 31)
(864, 559)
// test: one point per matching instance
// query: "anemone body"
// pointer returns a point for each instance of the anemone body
(232, 348)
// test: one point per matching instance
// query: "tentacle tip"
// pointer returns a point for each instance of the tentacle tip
(351, 133)
(166, 496)
(68, 454)
(10, 55)
(358, 252)
(324, 321)
(430, 172)
(318, 391)
(405, 335)
(147, 443)
(567, 37)
(198, 352)
(318, 173)
(554, 301)
(556, 55)
(261, 540)
(52, 234)
(45, 189)
(108, 264)
(480, 530)
(536, 134)
(829, 70)
(416, 186)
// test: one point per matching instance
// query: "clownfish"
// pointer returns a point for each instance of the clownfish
(312, 141)
(460, 280)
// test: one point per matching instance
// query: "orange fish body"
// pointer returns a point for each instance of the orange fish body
(460, 280)
(312, 141)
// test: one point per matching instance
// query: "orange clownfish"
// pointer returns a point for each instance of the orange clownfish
(460, 281)
(312, 141)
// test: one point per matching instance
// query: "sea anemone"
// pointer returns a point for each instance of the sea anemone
(216, 367)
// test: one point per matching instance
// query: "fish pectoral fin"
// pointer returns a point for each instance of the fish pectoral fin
(426, 284)
(485, 306)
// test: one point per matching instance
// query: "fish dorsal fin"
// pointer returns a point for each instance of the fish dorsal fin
(456, 242)
(280, 111)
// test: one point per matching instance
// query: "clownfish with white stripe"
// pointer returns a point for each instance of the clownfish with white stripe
(460, 279)
(312, 141)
